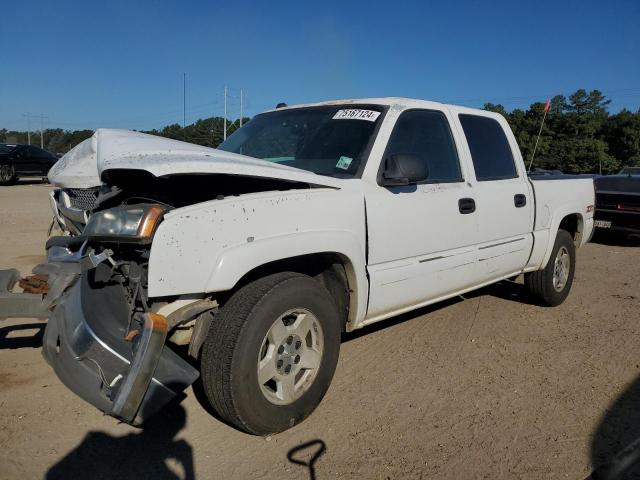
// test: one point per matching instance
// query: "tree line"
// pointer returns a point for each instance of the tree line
(579, 134)
(208, 132)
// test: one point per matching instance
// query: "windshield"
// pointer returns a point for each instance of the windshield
(630, 171)
(5, 148)
(331, 140)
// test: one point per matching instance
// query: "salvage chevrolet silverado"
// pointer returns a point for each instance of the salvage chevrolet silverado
(308, 221)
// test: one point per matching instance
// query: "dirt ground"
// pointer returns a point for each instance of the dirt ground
(488, 386)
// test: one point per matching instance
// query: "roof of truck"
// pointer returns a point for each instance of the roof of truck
(401, 102)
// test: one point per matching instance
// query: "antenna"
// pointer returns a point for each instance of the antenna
(535, 147)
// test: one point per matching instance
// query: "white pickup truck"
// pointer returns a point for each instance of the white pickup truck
(308, 221)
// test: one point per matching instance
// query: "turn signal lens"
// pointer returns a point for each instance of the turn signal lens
(149, 222)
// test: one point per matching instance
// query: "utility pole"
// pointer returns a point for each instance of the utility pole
(224, 133)
(41, 117)
(28, 115)
(241, 107)
(184, 105)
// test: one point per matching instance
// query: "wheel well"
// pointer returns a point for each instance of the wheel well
(330, 269)
(573, 224)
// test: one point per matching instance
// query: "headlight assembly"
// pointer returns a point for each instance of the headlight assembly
(126, 223)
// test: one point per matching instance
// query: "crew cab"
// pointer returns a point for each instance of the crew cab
(308, 221)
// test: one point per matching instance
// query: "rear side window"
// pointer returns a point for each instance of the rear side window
(490, 151)
(426, 134)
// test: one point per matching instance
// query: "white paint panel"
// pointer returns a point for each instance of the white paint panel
(123, 149)
(496, 259)
(400, 284)
(209, 246)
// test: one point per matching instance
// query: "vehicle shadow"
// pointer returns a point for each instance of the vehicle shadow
(307, 455)
(507, 290)
(31, 181)
(133, 456)
(404, 317)
(615, 239)
(615, 446)
(9, 342)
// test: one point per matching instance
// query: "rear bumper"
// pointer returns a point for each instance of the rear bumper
(621, 221)
(84, 343)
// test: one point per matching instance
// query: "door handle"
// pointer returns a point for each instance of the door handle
(466, 205)
(519, 200)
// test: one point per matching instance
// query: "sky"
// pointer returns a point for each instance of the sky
(110, 63)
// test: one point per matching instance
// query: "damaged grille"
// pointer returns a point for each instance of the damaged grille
(83, 198)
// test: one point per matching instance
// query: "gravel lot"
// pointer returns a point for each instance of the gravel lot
(488, 386)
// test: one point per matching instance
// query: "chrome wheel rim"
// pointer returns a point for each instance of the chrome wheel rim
(561, 269)
(290, 356)
(5, 173)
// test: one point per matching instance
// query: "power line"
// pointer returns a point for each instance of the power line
(161, 117)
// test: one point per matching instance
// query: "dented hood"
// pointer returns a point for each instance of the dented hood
(108, 149)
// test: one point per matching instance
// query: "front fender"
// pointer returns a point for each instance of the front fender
(210, 246)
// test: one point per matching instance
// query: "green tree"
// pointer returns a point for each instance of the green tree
(579, 135)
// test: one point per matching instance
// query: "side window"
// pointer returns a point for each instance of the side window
(490, 151)
(426, 134)
(33, 152)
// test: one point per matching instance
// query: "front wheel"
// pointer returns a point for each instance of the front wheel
(552, 284)
(7, 174)
(271, 353)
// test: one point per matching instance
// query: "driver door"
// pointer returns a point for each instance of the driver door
(420, 236)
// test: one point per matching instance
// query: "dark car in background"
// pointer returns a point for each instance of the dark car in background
(23, 161)
(618, 202)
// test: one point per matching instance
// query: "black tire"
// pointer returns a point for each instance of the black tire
(7, 175)
(541, 283)
(234, 342)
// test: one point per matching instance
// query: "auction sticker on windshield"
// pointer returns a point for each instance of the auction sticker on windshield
(344, 162)
(356, 114)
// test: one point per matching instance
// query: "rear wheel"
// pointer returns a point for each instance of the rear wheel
(271, 353)
(552, 284)
(7, 174)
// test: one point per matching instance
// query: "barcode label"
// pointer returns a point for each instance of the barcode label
(356, 114)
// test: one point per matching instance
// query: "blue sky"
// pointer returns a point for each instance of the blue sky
(90, 64)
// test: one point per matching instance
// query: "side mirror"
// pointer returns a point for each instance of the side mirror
(404, 169)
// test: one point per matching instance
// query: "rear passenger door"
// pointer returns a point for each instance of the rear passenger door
(45, 161)
(503, 197)
(32, 160)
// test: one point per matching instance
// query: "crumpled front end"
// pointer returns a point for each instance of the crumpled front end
(113, 359)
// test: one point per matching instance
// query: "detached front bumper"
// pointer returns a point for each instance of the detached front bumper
(85, 344)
